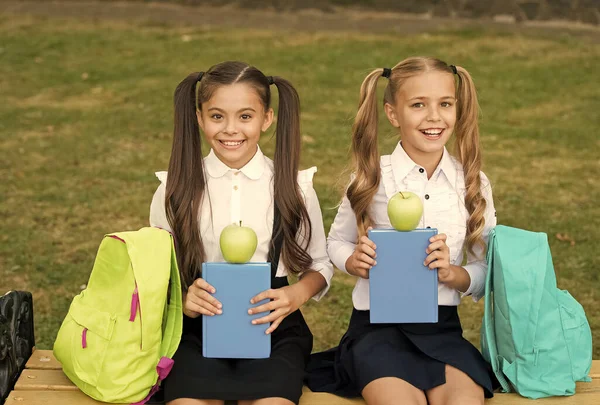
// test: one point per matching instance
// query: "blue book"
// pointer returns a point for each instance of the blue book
(232, 335)
(402, 289)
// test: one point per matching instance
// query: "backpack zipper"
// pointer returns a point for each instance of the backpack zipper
(135, 304)
(134, 308)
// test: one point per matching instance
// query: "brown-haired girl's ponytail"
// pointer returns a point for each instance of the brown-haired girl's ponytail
(468, 152)
(365, 153)
(287, 196)
(186, 182)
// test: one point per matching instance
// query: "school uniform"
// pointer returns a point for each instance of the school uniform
(246, 195)
(416, 353)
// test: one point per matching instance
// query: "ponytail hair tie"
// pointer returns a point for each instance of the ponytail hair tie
(199, 76)
(270, 80)
(454, 69)
(387, 72)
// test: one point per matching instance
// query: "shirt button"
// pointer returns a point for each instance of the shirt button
(235, 187)
(427, 196)
(236, 173)
(421, 170)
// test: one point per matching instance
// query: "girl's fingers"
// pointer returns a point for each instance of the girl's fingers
(365, 240)
(192, 306)
(203, 285)
(366, 259)
(204, 304)
(433, 257)
(362, 265)
(362, 273)
(437, 245)
(204, 296)
(270, 306)
(269, 318)
(439, 236)
(367, 250)
(267, 294)
(274, 325)
(439, 264)
(358, 272)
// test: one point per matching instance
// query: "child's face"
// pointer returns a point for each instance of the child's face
(425, 113)
(232, 121)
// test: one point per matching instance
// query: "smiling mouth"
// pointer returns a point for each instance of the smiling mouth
(433, 133)
(231, 144)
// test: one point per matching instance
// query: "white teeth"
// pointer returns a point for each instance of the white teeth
(231, 143)
(432, 131)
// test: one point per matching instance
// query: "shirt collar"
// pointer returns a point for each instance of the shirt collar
(253, 169)
(402, 164)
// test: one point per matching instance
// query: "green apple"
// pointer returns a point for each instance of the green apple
(238, 243)
(405, 210)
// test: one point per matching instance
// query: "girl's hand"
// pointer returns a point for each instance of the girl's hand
(199, 301)
(284, 301)
(363, 259)
(439, 257)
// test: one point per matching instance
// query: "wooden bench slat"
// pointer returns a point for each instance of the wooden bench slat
(320, 398)
(588, 398)
(43, 360)
(50, 398)
(40, 380)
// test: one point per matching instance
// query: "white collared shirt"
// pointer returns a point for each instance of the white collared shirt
(247, 195)
(444, 208)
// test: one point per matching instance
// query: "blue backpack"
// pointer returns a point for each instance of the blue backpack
(535, 336)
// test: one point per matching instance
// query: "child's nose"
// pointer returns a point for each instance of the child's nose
(433, 114)
(231, 128)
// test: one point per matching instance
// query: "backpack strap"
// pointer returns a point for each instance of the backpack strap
(489, 347)
(276, 242)
(174, 310)
(171, 330)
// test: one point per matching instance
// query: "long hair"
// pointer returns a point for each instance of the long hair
(186, 183)
(466, 142)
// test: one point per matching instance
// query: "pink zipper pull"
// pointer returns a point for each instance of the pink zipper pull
(84, 338)
(135, 303)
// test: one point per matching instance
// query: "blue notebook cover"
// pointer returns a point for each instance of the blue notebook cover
(402, 289)
(231, 335)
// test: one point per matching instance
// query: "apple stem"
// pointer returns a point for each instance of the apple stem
(240, 223)
(402, 194)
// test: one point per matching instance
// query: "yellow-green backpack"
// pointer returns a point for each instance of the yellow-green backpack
(118, 338)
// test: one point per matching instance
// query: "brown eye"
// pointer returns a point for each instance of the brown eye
(418, 105)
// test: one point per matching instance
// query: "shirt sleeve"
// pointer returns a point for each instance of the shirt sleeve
(476, 264)
(317, 249)
(343, 235)
(158, 214)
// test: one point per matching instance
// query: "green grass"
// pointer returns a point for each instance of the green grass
(86, 118)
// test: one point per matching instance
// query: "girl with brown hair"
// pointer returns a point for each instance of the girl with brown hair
(429, 102)
(236, 182)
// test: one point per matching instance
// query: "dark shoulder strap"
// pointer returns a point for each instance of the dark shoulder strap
(276, 242)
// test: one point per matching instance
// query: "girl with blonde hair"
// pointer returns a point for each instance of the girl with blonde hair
(429, 102)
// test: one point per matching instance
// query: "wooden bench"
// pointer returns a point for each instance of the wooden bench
(42, 381)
